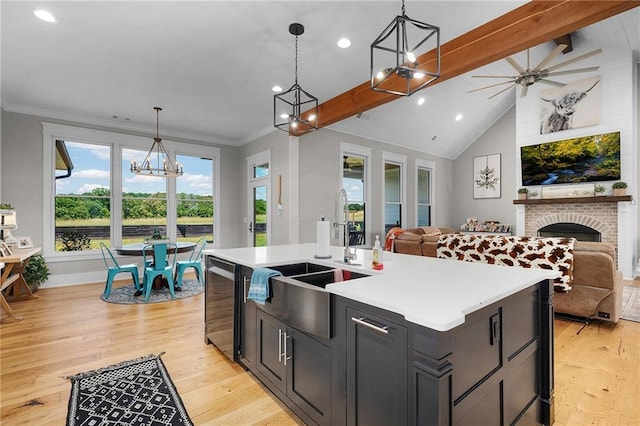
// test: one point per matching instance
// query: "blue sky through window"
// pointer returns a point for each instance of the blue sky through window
(92, 170)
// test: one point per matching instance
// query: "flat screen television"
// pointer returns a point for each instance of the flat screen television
(586, 159)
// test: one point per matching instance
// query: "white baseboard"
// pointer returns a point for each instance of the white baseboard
(63, 280)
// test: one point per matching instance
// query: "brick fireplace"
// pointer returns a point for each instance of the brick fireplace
(609, 216)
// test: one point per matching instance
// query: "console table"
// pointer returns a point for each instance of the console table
(14, 284)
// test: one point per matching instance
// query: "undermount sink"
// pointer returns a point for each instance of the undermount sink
(299, 297)
(321, 279)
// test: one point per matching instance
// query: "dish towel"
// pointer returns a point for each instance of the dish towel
(259, 287)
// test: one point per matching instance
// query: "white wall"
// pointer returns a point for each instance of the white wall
(618, 113)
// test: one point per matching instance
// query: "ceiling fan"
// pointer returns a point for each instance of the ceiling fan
(527, 77)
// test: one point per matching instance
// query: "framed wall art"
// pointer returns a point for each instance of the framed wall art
(574, 105)
(486, 176)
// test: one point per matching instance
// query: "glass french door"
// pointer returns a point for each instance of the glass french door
(258, 224)
(258, 204)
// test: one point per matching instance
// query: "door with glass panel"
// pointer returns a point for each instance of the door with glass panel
(194, 200)
(392, 196)
(353, 181)
(258, 224)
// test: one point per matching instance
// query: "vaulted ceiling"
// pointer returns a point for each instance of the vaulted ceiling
(211, 65)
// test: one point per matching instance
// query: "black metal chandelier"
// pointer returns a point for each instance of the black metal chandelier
(295, 111)
(157, 162)
(395, 67)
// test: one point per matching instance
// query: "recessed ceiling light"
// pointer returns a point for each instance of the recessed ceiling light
(276, 88)
(421, 100)
(458, 117)
(343, 43)
(44, 15)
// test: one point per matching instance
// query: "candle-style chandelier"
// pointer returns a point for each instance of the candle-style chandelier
(157, 162)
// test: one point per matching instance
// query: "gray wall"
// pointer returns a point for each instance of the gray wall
(320, 174)
(499, 139)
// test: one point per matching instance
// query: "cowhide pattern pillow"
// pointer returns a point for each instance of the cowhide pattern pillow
(526, 252)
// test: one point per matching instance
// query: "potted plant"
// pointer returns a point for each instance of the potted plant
(522, 193)
(619, 188)
(599, 190)
(6, 208)
(36, 272)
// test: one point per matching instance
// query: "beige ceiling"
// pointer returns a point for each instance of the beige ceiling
(211, 65)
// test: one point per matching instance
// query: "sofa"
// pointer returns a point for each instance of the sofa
(593, 288)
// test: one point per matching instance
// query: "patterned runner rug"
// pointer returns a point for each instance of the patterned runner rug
(135, 392)
(631, 304)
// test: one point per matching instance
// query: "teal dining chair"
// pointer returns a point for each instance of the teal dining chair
(194, 261)
(114, 268)
(162, 266)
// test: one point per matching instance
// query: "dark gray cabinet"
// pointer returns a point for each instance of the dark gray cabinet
(296, 366)
(246, 320)
(376, 367)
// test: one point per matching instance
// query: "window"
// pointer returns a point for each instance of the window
(355, 174)
(424, 185)
(394, 191)
(195, 207)
(82, 196)
(392, 199)
(93, 196)
(144, 202)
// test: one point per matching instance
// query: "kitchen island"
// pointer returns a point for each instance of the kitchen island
(424, 341)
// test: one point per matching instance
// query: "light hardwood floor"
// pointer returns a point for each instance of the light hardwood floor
(70, 330)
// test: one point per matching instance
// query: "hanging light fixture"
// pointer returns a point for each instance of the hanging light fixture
(395, 65)
(295, 111)
(157, 162)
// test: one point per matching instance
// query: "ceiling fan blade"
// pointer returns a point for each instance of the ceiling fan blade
(551, 82)
(493, 85)
(495, 76)
(576, 59)
(574, 71)
(502, 91)
(515, 65)
(550, 57)
(525, 89)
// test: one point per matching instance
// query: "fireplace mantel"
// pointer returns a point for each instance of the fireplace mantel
(612, 199)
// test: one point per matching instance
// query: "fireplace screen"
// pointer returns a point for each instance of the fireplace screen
(570, 230)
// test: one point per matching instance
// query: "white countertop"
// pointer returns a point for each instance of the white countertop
(435, 293)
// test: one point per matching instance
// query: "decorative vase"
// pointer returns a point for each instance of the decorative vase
(522, 196)
(618, 192)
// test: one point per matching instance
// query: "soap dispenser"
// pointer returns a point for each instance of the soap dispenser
(376, 255)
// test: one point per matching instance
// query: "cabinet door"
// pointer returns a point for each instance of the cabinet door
(270, 354)
(377, 390)
(309, 375)
(247, 321)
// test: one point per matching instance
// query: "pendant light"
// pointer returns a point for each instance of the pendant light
(157, 162)
(397, 66)
(296, 110)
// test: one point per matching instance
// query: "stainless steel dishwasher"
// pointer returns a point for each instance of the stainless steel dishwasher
(219, 305)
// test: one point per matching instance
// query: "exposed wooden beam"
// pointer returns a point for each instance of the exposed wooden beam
(529, 25)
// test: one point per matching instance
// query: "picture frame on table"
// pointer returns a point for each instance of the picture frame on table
(24, 242)
(5, 251)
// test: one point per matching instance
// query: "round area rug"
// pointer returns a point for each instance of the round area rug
(125, 295)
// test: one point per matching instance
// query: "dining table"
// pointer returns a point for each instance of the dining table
(138, 249)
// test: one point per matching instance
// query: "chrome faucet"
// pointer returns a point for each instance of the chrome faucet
(341, 196)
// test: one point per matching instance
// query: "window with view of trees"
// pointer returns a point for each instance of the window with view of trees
(83, 200)
(353, 181)
(194, 209)
(144, 202)
(95, 198)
